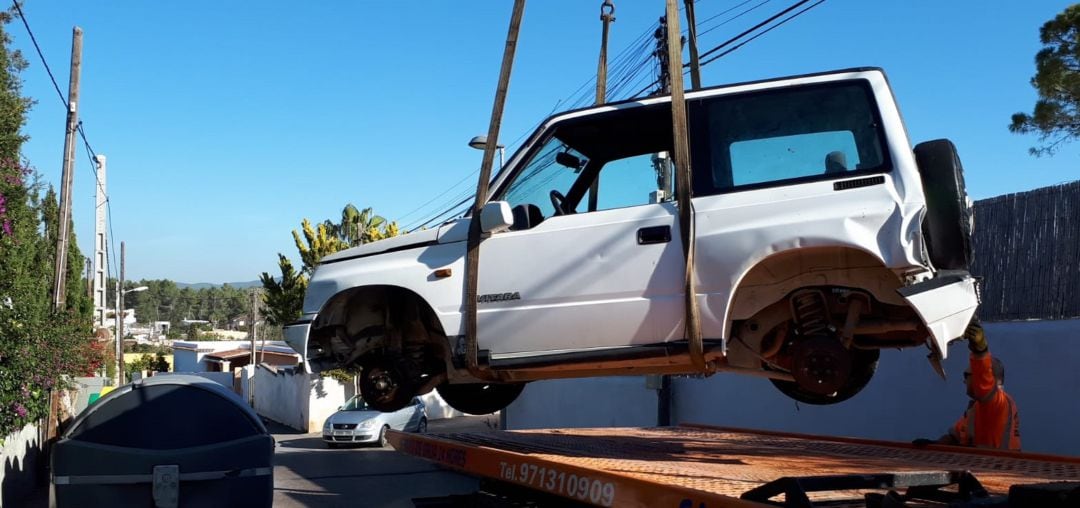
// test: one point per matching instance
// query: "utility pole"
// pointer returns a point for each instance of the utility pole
(662, 161)
(254, 316)
(607, 16)
(691, 30)
(68, 173)
(100, 243)
(120, 320)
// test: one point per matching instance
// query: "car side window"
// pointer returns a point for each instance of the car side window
(785, 157)
(785, 136)
(634, 181)
(552, 168)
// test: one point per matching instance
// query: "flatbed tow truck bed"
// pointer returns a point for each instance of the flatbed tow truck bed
(697, 466)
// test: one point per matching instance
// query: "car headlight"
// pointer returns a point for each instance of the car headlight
(366, 424)
(326, 425)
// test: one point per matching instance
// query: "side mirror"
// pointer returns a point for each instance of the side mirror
(496, 216)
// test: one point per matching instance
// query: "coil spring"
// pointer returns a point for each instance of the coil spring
(810, 312)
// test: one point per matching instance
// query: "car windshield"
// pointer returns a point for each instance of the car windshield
(355, 404)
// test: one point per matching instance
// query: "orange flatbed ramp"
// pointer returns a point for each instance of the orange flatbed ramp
(697, 466)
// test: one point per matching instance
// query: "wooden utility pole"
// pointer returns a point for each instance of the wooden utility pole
(607, 15)
(68, 173)
(254, 316)
(120, 320)
(691, 29)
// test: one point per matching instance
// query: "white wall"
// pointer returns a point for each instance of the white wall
(591, 402)
(20, 458)
(293, 398)
(222, 378)
(905, 400)
(186, 361)
(281, 396)
(326, 396)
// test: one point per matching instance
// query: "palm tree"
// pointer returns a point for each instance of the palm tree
(359, 226)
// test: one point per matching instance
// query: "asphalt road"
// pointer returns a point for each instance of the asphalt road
(308, 474)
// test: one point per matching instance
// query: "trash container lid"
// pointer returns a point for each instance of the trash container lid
(166, 412)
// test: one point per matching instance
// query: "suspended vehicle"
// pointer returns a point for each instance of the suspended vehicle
(783, 228)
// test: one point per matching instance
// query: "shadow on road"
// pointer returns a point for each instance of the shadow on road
(363, 476)
(309, 442)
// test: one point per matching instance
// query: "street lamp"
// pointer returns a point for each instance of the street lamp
(480, 143)
(119, 315)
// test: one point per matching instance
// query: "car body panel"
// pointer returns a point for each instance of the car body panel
(946, 306)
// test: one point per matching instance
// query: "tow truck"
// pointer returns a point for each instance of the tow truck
(700, 466)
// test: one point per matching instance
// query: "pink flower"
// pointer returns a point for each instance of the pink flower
(19, 410)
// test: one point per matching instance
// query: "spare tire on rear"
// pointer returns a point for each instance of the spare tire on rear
(948, 222)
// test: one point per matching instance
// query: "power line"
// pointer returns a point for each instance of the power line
(627, 68)
(448, 189)
(628, 58)
(754, 28)
(40, 54)
(735, 17)
(743, 34)
(785, 20)
(79, 127)
(717, 15)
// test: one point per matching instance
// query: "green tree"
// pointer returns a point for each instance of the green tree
(155, 363)
(359, 226)
(283, 297)
(317, 242)
(1056, 117)
(39, 345)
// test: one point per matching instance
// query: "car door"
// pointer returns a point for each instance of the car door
(606, 275)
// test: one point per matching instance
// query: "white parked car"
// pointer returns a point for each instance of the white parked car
(356, 422)
(822, 237)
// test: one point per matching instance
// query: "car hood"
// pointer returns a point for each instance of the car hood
(393, 243)
(352, 416)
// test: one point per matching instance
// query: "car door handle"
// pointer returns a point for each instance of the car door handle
(655, 234)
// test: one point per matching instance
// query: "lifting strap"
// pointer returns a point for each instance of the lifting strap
(681, 156)
(472, 254)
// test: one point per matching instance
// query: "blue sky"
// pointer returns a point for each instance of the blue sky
(226, 123)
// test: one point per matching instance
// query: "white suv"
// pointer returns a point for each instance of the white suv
(821, 238)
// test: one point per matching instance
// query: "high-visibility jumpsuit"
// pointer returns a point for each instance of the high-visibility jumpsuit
(991, 419)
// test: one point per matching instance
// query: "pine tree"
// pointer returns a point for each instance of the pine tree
(1056, 117)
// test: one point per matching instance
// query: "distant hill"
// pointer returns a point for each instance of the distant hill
(208, 285)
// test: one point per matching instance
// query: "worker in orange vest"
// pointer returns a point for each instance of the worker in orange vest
(991, 419)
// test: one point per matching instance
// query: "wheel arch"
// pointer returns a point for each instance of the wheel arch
(379, 299)
(775, 275)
